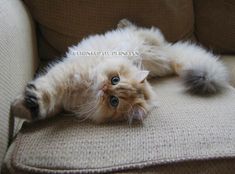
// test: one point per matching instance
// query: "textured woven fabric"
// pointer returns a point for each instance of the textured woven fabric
(183, 127)
(218, 166)
(64, 23)
(229, 61)
(190, 167)
(17, 60)
(215, 24)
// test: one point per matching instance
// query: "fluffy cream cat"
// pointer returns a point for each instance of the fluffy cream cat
(104, 77)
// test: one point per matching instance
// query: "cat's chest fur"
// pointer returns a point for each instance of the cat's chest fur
(79, 92)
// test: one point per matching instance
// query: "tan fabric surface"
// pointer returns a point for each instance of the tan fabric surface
(184, 127)
(64, 23)
(6, 166)
(218, 166)
(215, 24)
(17, 60)
(222, 166)
(229, 61)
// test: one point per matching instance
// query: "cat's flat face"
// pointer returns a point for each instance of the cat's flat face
(121, 91)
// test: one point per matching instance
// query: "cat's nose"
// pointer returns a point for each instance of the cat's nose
(104, 88)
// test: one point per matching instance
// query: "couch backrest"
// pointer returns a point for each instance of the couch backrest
(215, 24)
(64, 23)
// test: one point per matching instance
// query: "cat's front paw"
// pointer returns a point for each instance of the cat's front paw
(27, 105)
(31, 100)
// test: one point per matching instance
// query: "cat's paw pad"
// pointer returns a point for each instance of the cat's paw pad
(31, 100)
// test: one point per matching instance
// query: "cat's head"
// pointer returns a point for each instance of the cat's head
(121, 91)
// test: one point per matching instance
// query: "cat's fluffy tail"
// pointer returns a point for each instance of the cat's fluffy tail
(201, 71)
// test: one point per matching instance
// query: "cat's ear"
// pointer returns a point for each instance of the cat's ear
(141, 76)
(137, 113)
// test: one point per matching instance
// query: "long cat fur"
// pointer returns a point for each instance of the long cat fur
(81, 83)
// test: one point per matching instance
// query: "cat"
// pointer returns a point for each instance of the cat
(105, 77)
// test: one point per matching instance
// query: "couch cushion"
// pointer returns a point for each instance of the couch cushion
(215, 24)
(182, 128)
(64, 23)
(229, 61)
(210, 166)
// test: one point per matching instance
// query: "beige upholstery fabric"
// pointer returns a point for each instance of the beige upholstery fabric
(182, 128)
(17, 59)
(217, 166)
(6, 166)
(221, 166)
(229, 61)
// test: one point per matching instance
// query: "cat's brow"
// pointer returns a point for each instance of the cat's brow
(123, 97)
(126, 88)
(125, 94)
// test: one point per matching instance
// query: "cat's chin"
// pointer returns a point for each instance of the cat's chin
(100, 93)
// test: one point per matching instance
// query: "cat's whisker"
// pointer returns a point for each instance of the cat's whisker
(89, 109)
(87, 103)
(88, 114)
(69, 114)
(86, 111)
(87, 117)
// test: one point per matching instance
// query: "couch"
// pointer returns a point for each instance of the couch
(185, 134)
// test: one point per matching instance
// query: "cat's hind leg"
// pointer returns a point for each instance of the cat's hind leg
(152, 56)
(156, 61)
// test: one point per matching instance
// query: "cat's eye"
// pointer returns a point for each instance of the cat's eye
(115, 80)
(114, 101)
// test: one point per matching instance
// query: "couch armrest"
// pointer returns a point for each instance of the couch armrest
(18, 59)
